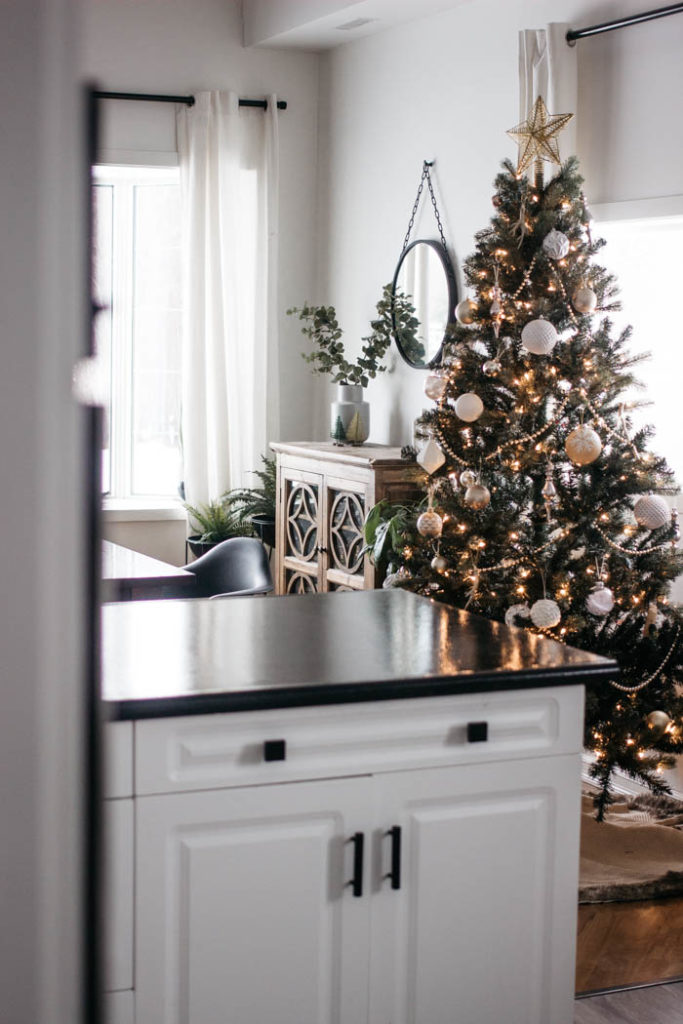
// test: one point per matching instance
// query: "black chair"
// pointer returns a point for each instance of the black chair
(237, 567)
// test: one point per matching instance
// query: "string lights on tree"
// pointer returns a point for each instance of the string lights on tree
(546, 509)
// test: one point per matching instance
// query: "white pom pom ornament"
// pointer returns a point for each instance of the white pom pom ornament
(469, 407)
(545, 613)
(652, 512)
(464, 312)
(556, 245)
(600, 601)
(514, 612)
(539, 337)
(583, 445)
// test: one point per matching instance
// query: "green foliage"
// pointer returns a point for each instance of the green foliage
(328, 355)
(218, 520)
(256, 501)
(531, 404)
(389, 527)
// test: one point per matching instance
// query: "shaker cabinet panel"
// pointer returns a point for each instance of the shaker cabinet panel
(245, 911)
(482, 928)
(325, 491)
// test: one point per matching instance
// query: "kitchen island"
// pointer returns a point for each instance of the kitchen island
(345, 807)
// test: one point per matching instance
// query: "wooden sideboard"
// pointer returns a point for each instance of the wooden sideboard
(324, 494)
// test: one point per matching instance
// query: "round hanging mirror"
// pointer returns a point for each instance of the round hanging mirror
(424, 294)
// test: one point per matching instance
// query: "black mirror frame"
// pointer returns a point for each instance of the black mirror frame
(452, 300)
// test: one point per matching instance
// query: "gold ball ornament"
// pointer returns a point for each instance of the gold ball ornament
(477, 496)
(545, 613)
(539, 337)
(491, 367)
(584, 300)
(464, 312)
(652, 512)
(556, 245)
(439, 563)
(435, 386)
(583, 445)
(658, 722)
(468, 477)
(430, 524)
(469, 407)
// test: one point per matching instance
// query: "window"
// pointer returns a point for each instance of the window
(138, 334)
(643, 252)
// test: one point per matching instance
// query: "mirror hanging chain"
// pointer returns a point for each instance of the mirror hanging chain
(426, 164)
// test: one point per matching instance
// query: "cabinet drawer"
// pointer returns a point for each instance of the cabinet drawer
(215, 751)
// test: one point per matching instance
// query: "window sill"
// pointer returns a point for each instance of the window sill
(129, 510)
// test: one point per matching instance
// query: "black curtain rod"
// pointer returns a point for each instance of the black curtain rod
(633, 19)
(187, 100)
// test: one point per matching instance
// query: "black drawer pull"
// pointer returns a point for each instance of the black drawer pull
(395, 873)
(356, 883)
(477, 732)
(275, 750)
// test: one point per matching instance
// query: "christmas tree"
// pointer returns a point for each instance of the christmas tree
(544, 505)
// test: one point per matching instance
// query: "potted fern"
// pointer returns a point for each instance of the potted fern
(214, 522)
(257, 504)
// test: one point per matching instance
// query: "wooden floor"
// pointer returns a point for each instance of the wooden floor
(659, 1004)
(621, 944)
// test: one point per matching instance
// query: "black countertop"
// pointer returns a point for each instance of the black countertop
(237, 654)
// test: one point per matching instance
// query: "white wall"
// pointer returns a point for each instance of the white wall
(182, 46)
(42, 279)
(445, 87)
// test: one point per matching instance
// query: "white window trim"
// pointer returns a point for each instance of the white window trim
(131, 510)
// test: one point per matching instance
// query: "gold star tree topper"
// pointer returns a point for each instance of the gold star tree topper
(537, 137)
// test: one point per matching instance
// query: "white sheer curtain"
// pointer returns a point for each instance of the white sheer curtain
(548, 68)
(229, 179)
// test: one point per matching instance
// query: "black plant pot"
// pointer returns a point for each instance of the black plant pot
(199, 547)
(264, 527)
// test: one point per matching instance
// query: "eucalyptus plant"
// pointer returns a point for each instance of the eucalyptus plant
(329, 356)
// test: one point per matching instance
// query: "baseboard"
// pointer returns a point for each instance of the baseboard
(621, 783)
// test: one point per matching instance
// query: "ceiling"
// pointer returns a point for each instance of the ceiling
(324, 24)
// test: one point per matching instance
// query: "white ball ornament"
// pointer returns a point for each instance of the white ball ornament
(430, 524)
(469, 407)
(556, 245)
(584, 300)
(652, 512)
(464, 312)
(583, 445)
(545, 613)
(477, 496)
(539, 337)
(435, 385)
(600, 601)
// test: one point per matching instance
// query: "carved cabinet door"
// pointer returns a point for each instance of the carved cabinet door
(346, 506)
(300, 532)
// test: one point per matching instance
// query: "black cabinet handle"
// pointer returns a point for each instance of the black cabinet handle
(477, 732)
(275, 750)
(395, 872)
(356, 883)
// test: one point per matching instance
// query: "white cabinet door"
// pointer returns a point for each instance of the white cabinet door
(243, 912)
(482, 929)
